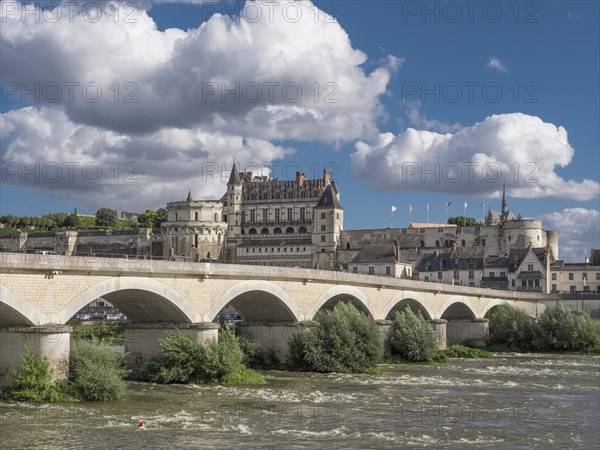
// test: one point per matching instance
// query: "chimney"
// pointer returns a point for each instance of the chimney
(396, 251)
(300, 178)
(326, 177)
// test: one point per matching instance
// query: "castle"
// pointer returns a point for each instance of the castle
(300, 223)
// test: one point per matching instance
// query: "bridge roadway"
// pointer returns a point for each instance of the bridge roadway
(40, 293)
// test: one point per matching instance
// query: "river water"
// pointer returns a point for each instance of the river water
(510, 401)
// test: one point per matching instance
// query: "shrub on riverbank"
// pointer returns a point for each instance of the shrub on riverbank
(512, 328)
(97, 370)
(343, 340)
(460, 351)
(557, 329)
(412, 336)
(184, 360)
(33, 382)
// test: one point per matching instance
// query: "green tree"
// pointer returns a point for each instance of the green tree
(463, 221)
(512, 328)
(345, 340)
(72, 221)
(106, 217)
(161, 216)
(147, 219)
(412, 336)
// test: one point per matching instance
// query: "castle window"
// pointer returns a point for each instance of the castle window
(348, 247)
(264, 231)
(446, 243)
(456, 275)
(302, 214)
(554, 277)
(216, 217)
(175, 215)
(483, 242)
(196, 216)
(422, 244)
(264, 216)
(509, 238)
(530, 267)
(277, 230)
(437, 244)
(277, 195)
(337, 216)
(584, 276)
(571, 276)
(252, 231)
(388, 270)
(302, 230)
(290, 215)
(322, 227)
(471, 274)
(323, 216)
(354, 269)
(289, 230)
(252, 216)
(253, 196)
(196, 240)
(492, 275)
(463, 243)
(277, 215)
(322, 238)
(440, 274)
(502, 274)
(371, 270)
(513, 283)
(247, 250)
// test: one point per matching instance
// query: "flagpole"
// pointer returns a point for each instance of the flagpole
(483, 209)
(427, 212)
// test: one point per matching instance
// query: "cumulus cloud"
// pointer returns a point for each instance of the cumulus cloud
(419, 120)
(520, 149)
(288, 75)
(578, 231)
(44, 151)
(495, 64)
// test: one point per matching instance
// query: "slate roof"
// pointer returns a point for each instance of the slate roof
(234, 177)
(375, 254)
(446, 261)
(329, 199)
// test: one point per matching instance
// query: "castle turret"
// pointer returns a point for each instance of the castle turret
(328, 224)
(232, 212)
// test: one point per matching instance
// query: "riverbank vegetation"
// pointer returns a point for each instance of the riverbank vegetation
(184, 360)
(342, 339)
(556, 330)
(110, 331)
(95, 373)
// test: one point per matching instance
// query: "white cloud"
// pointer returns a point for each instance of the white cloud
(175, 72)
(495, 64)
(133, 172)
(520, 149)
(578, 231)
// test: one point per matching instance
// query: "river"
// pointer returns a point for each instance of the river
(510, 401)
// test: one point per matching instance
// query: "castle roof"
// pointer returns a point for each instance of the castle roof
(234, 177)
(375, 254)
(329, 199)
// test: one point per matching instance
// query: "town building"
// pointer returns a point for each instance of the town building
(576, 277)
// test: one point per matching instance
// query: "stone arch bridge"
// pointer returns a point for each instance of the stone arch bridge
(40, 293)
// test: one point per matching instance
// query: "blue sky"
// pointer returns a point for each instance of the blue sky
(513, 86)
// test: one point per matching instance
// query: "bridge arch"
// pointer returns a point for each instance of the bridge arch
(458, 307)
(411, 300)
(338, 293)
(15, 310)
(494, 303)
(258, 300)
(140, 299)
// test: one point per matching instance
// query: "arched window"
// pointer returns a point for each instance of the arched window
(289, 230)
(196, 216)
(252, 231)
(348, 246)
(437, 244)
(264, 231)
(463, 243)
(277, 230)
(483, 242)
(302, 230)
(422, 244)
(446, 243)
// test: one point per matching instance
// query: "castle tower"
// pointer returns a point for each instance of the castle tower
(504, 211)
(232, 214)
(328, 224)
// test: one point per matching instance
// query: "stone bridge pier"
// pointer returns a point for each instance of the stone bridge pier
(142, 339)
(50, 341)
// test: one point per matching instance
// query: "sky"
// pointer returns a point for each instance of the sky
(411, 104)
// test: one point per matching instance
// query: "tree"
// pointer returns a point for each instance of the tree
(147, 219)
(106, 217)
(463, 221)
(412, 336)
(161, 216)
(72, 221)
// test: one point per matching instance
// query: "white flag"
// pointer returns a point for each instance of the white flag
(465, 205)
(394, 209)
(427, 206)
(410, 208)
